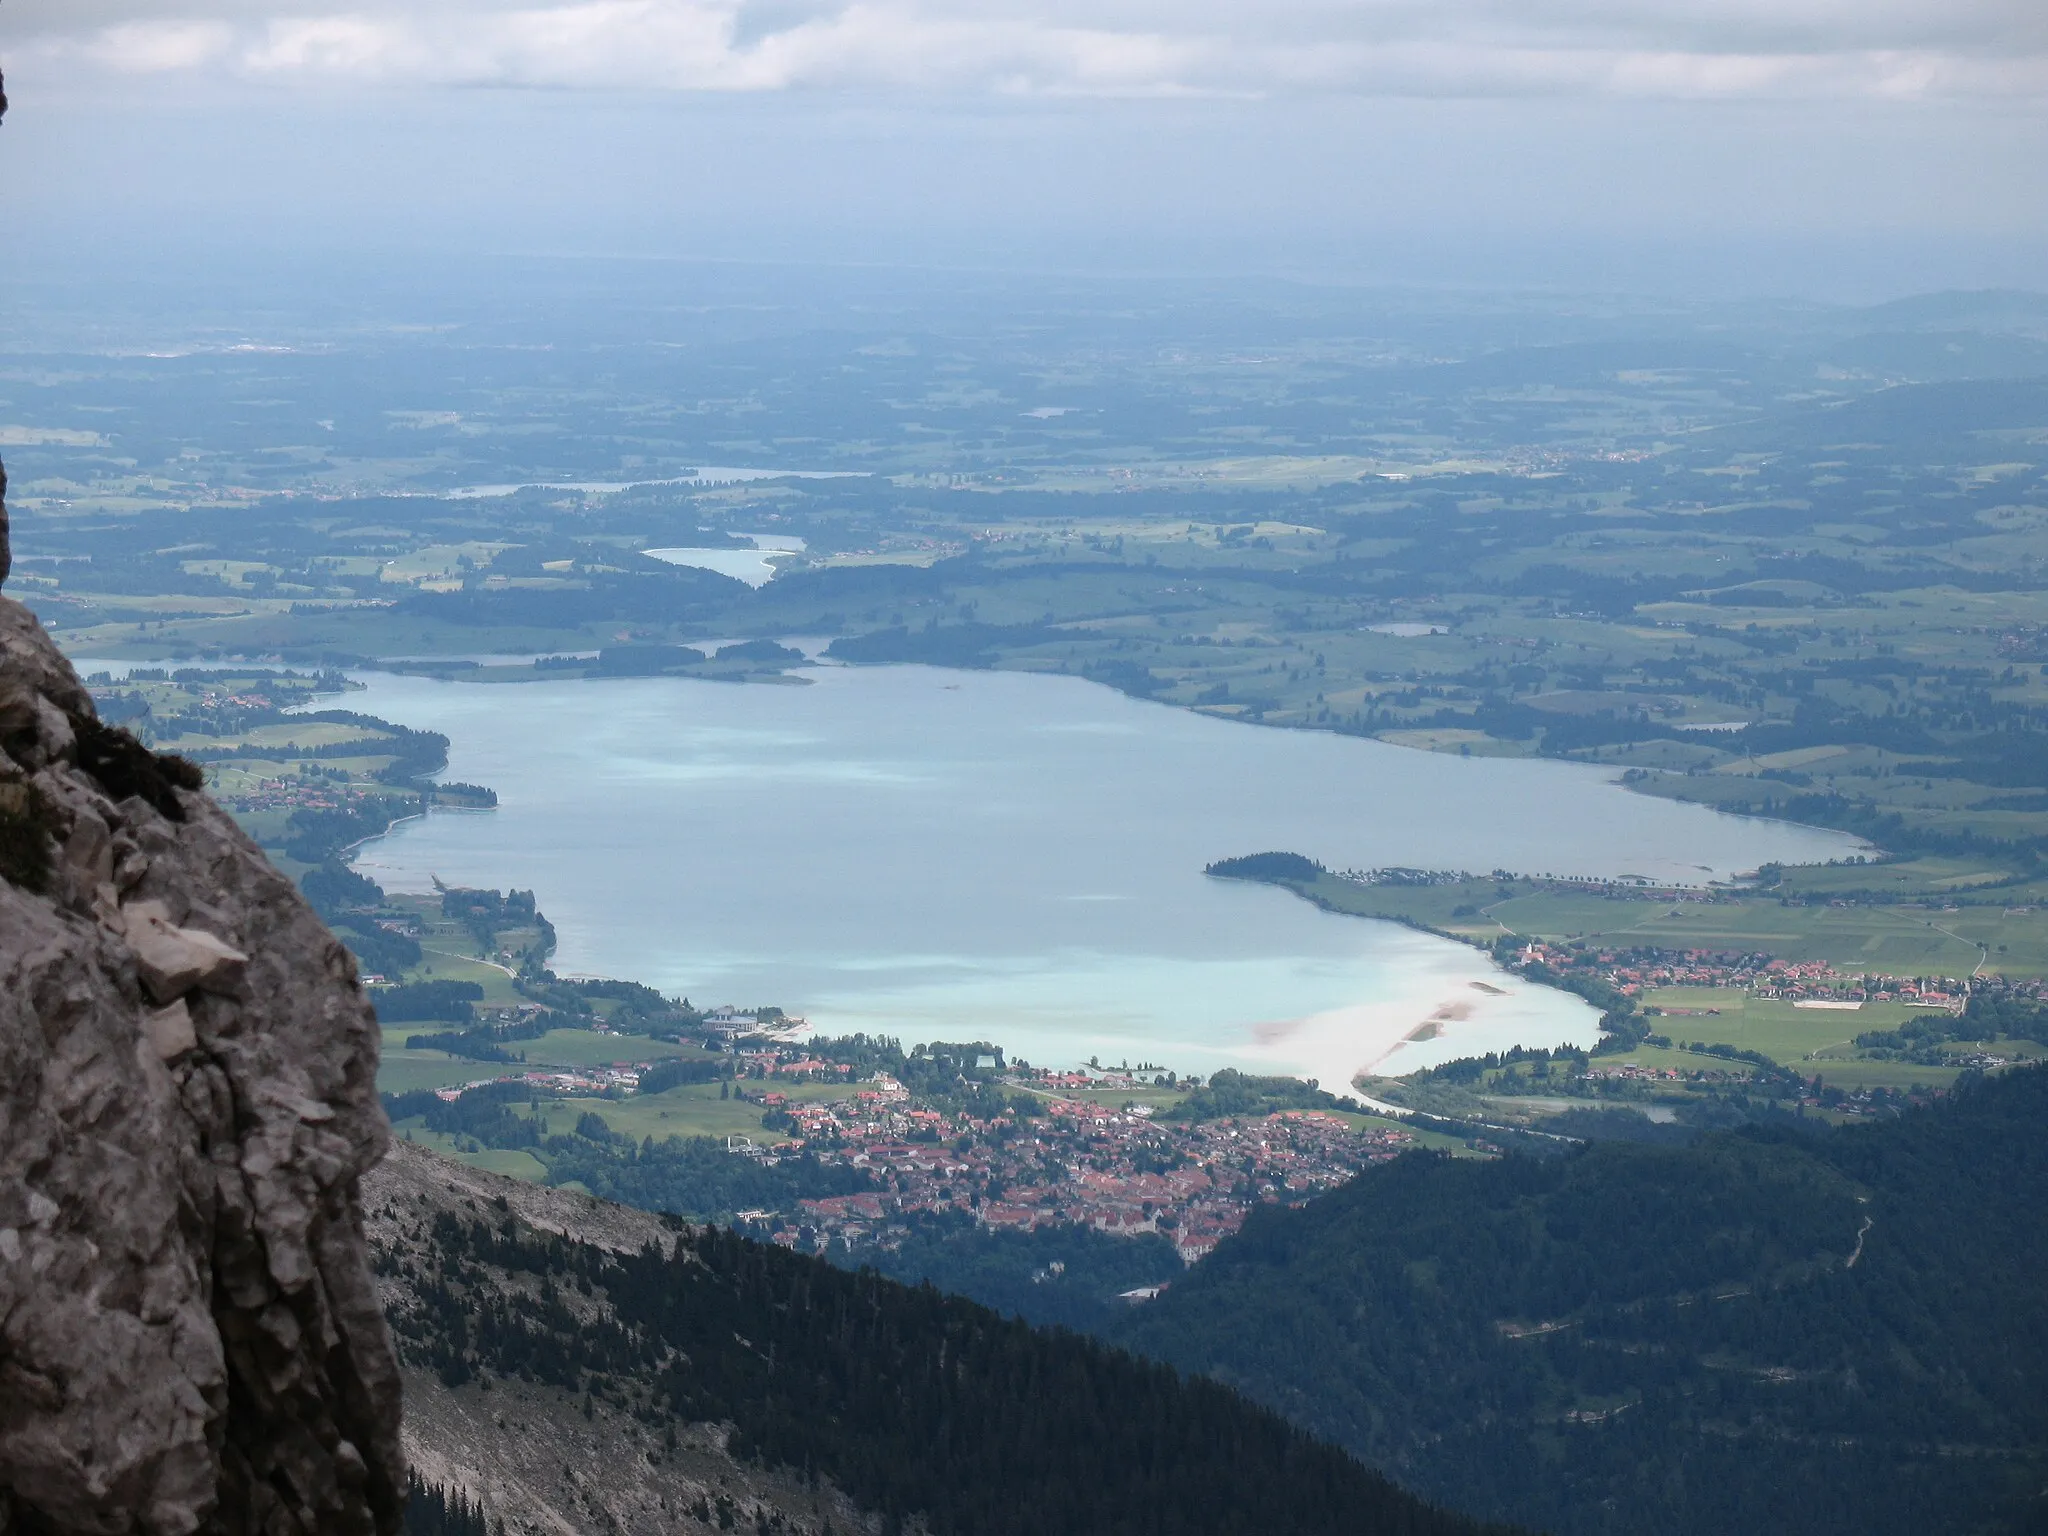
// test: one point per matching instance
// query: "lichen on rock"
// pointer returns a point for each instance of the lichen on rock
(189, 1335)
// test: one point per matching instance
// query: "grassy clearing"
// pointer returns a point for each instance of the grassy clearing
(692, 1110)
(588, 1048)
(1839, 1071)
(513, 1162)
(1894, 940)
(1463, 743)
(1842, 1072)
(2014, 942)
(1902, 879)
(1461, 908)
(1813, 1041)
(1779, 1030)
(443, 962)
(297, 733)
(401, 1070)
(695, 1109)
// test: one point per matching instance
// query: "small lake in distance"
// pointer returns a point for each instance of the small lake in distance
(709, 474)
(756, 566)
(1013, 857)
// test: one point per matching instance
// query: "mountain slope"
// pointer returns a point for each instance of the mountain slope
(583, 1367)
(1842, 1332)
(528, 1452)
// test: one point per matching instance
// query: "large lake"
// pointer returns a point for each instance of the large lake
(1018, 858)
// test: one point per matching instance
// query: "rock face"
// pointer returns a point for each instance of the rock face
(189, 1335)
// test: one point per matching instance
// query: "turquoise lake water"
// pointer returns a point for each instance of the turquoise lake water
(1018, 858)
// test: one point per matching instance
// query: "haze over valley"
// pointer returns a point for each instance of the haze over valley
(925, 769)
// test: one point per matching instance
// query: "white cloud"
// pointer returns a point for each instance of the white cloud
(147, 47)
(1629, 48)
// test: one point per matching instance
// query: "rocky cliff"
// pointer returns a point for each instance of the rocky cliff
(189, 1335)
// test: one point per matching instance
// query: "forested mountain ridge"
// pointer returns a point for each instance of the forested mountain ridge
(1825, 1333)
(527, 1456)
(581, 1365)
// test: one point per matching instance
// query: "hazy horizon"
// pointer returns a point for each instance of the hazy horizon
(1710, 149)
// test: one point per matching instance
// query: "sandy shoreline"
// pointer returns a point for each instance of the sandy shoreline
(1457, 1010)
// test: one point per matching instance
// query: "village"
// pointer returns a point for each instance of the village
(297, 793)
(1633, 972)
(956, 1134)
(1050, 1157)
(1122, 1170)
(1019, 1147)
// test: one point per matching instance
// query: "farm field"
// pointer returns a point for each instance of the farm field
(403, 1069)
(511, 1162)
(1896, 939)
(694, 1109)
(1724, 1016)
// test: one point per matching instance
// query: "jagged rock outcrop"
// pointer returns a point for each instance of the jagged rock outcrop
(189, 1335)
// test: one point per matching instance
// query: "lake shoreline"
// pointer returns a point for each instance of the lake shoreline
(1411, 1012)
(1389, 1027)
(1090, 819)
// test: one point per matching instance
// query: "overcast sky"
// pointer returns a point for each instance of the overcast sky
(1775, 145)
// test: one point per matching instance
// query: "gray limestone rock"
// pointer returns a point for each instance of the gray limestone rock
(189, 1335)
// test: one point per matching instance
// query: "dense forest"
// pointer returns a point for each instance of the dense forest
(922, 1407)
(433, 1510)
(1063, 1273)
(1828, 1330)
